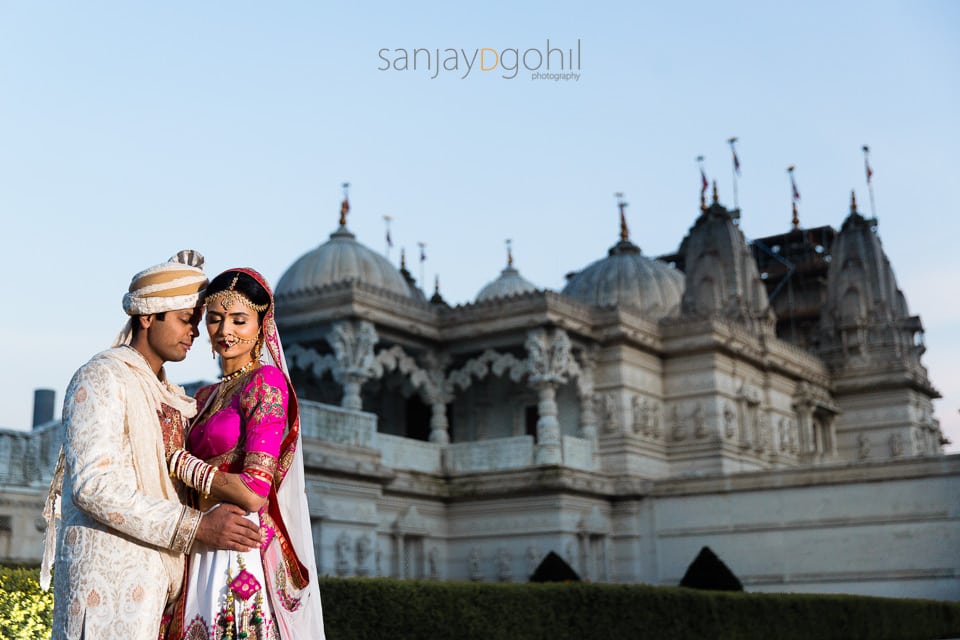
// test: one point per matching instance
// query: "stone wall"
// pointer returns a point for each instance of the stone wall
(468, 512)
(889, 529)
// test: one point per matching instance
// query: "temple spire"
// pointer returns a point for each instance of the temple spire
(345, 205)
(624, 231)
(716, 198)
(509, 254)
(853, 201)
(436, 298)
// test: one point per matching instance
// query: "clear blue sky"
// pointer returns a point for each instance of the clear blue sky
(129, 130)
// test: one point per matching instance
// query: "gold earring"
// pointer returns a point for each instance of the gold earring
(258, 347)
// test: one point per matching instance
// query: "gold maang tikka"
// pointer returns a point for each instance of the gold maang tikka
(230, 296)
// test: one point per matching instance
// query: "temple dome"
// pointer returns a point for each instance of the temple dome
(627, 278)
(341, 259)
(508, 283)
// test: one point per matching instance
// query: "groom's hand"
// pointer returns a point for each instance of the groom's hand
(224, 527)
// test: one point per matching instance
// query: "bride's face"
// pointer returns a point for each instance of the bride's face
(233, 332)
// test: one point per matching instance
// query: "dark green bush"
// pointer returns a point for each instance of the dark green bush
(382, 609)
(374, 609)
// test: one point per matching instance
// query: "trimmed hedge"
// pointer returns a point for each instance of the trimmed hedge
(380, 608)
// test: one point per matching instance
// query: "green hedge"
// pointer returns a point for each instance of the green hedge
(381, 609)
(377, 609)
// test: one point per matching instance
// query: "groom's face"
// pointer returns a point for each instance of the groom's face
(171, 337)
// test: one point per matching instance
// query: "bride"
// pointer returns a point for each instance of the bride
(244, 447)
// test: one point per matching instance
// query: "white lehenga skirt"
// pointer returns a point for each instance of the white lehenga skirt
(226, 590)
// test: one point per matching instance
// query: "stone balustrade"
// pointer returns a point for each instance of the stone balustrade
(397, 452)
(338, 425)
(490, 455)
(28, 458)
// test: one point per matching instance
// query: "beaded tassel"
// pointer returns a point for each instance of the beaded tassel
(228, 611)
(257, 618)
(252, 617)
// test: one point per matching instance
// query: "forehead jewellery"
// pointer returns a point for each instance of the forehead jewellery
(229, 296)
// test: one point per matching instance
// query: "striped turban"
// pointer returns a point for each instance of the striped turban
(175, 284)
(172, 285)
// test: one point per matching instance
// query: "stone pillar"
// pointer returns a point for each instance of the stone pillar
(585, 392)
(351, 392)
(805, 429)
(830, 434)
(439, 426)
(743, 423)
(401, 558)
(550, 361)
(437, 394)
(605, 561)
(819, 445)
(586, 557)
(548, 449)
(352, 343)
(588, 419)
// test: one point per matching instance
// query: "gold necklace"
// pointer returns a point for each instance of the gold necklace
(226, 387)
(236, 374)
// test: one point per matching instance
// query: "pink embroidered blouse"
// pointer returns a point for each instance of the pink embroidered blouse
(244, 436)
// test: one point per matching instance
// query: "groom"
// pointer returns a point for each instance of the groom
(124, 532)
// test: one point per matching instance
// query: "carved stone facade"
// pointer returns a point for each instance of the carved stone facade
(651, 408)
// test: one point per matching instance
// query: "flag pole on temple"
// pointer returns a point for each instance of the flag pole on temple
(345, 205)
(622, 204)
(389, 239)
(704, 184)
(795, 197)
(736, 172)
(869, 172)
(423, 258)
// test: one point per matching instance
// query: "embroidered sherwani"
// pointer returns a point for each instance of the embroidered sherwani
(123, 530)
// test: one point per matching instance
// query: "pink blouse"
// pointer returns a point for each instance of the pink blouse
(244, 436)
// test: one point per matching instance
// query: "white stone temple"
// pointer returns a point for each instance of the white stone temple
(765, 399)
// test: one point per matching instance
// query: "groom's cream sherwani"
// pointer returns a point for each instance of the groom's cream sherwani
(123, 531)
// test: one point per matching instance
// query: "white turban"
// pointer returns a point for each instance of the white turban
(172, 285)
